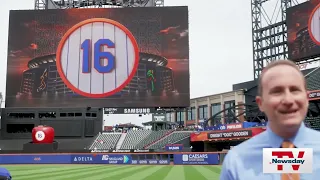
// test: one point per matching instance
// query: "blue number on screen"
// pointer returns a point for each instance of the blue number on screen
(98, 55)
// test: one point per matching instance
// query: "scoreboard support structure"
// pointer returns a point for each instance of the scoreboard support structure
(269, 32)
(67, 4)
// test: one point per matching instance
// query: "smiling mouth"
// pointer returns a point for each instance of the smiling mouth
(288, 112)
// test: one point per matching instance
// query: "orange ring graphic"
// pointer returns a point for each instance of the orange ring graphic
(66, 37)
(309, 25)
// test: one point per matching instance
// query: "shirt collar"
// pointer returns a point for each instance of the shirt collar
(276, 141)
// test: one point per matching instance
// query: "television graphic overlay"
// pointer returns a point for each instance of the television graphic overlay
(303, 33)
(104, 58)
(287, 160)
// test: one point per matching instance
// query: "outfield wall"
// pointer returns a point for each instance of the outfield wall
(124, 159)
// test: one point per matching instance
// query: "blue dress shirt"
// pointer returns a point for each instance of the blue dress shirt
(244, 162)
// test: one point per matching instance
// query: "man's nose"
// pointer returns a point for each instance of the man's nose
(287, 98)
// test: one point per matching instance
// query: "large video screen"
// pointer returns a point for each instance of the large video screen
(304, 30)
(117, 57)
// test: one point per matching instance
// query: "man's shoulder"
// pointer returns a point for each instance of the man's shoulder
(311, 137)
(312, 132)
(235, 162)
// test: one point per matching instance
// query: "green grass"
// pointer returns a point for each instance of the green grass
(113, 172)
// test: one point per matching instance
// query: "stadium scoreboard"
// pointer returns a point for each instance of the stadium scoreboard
(115, 57)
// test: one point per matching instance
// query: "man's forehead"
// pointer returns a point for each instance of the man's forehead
(280, 71)
(271, 73)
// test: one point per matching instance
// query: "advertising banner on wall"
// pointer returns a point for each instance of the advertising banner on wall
(129, 110)
(124, 159)
(83, 159)
(234, 134)
(115, 159)
(151, 161)
(105, 57)
(225, 134)
(314, 95)
(234, 126)
(159, 117)
(196, 158)
(35, 159)
(174, 147)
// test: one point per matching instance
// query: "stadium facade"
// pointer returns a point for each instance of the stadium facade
(203, 108)
(240, 102)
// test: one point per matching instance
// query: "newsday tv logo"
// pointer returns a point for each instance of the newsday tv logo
(287, 160)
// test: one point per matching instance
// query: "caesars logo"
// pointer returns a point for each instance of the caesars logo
(287, 160)
(194, 157)
(97, 57)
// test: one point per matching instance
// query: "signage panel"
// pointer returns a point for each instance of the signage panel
(159, 117)
(174, 147)
(196, 159)
(35, 159)
(233, 134)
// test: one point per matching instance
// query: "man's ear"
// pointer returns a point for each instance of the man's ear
(259, 103)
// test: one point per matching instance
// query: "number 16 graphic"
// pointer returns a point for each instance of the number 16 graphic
(86, 45)
(97, 57)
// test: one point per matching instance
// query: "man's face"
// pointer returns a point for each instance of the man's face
(284, 97)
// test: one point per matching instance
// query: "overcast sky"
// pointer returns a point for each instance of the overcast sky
(220, 42)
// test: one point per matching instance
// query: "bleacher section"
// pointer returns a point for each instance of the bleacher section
(170, 139)
(106, 141)
(312, 79)
(154, 136)
(133, 138)
(138, 139)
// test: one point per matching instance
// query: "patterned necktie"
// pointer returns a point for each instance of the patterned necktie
(289, 176)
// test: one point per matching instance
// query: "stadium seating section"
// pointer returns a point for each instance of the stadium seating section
(134, 138)
(139, 139)
(106, 141)
(312, 79)
(170, 139)
(313, 83)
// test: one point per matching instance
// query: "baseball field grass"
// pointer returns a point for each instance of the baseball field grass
(113, 172)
